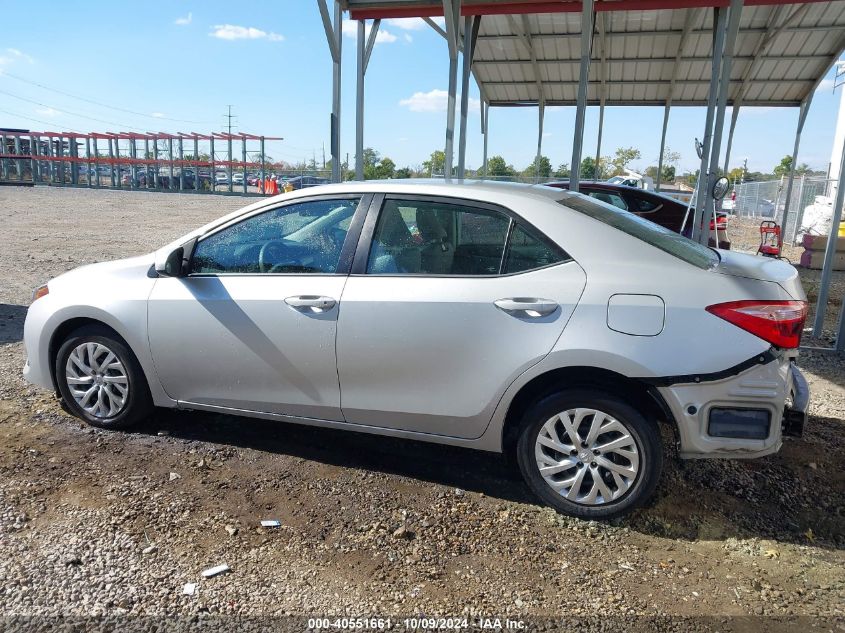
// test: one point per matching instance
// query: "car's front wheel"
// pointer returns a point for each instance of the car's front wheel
(100, 380)
(589, 454)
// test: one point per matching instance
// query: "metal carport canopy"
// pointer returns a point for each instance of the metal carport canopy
(652, 55)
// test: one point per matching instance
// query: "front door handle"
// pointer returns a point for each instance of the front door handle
(526, 306)
(312, 303)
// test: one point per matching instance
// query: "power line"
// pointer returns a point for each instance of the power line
(29, 118)
(76, 114)
(99, 103)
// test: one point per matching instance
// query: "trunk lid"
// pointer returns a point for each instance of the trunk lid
(762, 268)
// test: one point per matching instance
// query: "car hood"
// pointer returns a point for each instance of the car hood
(761, 268)
(119, 269)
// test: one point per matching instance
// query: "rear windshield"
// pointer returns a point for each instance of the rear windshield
(645, 230)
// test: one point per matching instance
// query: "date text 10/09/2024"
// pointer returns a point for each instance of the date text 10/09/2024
(416, 624)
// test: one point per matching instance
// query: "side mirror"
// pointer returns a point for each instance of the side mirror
(178, 261)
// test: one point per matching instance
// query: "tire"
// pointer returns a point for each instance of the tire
(120, 395)
(627, 443)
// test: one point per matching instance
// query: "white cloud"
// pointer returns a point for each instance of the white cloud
(12, 55)
(435, 101)
(408, 37)
(826, 85)
(414, 24)
(158, 115)
(50, 112)
(184, 21)
(383, 36)
(233, 32)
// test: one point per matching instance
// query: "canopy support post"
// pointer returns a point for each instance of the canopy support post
(335, 41)
(581, 106)
(541, 115)
(451, 12)
(802, 117)
(662, 145)
(471, 25)
(485, 123)
(829, 255)
(365, 49)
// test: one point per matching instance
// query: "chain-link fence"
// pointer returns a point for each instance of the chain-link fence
(766, 200)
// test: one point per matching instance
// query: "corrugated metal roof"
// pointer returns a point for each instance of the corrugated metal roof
(652, 56)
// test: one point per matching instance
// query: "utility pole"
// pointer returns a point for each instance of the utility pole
(324, 156)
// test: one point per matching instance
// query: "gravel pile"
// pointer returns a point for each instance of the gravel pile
(94, 523)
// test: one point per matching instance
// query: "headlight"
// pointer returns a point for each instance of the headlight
(39, 292)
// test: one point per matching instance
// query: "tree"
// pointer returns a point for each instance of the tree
(623, 156)
(562, 171)
(784, 167)
(497, 166)
(588, 168)
(736, 174)
(435, 165)
(668, 174)
(403, 172)
(541, 167)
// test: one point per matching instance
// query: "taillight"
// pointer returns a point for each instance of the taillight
(777, 322)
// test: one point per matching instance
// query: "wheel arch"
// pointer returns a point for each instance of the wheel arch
(64, 329)
(643, 397)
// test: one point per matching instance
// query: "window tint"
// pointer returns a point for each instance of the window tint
(297, 238)
(609, 198)
(645, 230)
(527, 251)
(431, 238)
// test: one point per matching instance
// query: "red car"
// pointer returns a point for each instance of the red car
(660, 209)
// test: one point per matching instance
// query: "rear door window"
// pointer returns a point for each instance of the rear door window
(422, 237)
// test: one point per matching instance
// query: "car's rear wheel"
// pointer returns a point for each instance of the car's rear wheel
(589, 454)
(100, 380)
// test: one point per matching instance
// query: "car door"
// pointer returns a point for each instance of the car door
(448, 302)
(253, 325)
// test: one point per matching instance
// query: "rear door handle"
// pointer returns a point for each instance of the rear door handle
(312, 303)
(523, 306)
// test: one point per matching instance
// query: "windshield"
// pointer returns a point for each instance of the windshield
(645, 230)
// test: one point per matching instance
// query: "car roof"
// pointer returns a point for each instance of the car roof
(467, 188)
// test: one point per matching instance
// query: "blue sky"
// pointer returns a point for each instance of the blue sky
(156, 62)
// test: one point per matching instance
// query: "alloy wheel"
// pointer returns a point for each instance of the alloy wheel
(97, 380)
(587, 456)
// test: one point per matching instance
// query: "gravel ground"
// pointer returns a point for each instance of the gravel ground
(94, 523)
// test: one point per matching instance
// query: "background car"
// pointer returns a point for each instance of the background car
(300, 182)
(656, 207)
(400, 294)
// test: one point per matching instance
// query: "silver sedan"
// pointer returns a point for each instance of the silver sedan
(502, 317)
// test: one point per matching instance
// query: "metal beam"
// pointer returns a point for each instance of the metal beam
(733, 18)
(359, 102)
(485, 118)
(451, 9)
(435, 26)
(330, 30)
(802, 117)
(830, 254)
(603, 75)
(581, 104)
(718, 47)
(523, 29)
(335, 41)
(371, 42)
(662, 144)
(541, 111)
(471, 25)
(651, 60)
(667, 33)
(734, 116)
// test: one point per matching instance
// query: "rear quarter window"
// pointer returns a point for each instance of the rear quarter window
(653, 234)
